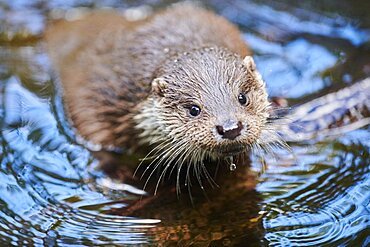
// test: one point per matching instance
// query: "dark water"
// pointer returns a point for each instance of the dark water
(54, 192)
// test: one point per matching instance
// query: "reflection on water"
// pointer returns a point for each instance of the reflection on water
(46, 181)
(54, 192)
(328, 203)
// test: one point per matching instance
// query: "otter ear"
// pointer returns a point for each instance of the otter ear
(249, 63)
(158, 86)
(251, 66)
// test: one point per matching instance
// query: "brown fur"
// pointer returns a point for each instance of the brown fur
(131, 83)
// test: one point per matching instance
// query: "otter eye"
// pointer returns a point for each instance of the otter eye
(194, 110)
(242, 99)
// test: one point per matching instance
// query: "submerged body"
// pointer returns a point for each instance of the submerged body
(181, 81)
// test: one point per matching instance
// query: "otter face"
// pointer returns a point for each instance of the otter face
(209, 103)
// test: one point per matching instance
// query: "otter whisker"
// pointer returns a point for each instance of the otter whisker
(189, 151)
(162, 157)
(268, 149)
(160, 177)
(182, 158)
(190, 163)
(169, 161)
(281, 143)
(155, 150)
(210, 180)
(179, 152)
(257, 148)
(187, 177)
(162, 150)
(197, 173)
(198, 167)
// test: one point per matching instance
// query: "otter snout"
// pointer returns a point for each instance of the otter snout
(230, 129)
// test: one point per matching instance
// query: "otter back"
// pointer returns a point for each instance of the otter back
(106, 63)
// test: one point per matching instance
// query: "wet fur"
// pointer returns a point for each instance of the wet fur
(107, 64)
(129, 84)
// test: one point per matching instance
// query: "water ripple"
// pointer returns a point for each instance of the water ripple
(52, 192)
(45, 171)
(321, 210)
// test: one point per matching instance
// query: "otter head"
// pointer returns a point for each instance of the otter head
(209, 102)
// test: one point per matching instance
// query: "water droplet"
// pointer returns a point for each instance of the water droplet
(232, 167)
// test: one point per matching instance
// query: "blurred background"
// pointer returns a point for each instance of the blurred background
(53, 192)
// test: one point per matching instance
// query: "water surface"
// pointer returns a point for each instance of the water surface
(54, 191)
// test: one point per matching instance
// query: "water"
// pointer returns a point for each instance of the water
(54, 192)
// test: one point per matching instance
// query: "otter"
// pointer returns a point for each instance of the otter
(182, 82)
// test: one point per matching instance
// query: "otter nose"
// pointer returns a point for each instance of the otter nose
(230, 129)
